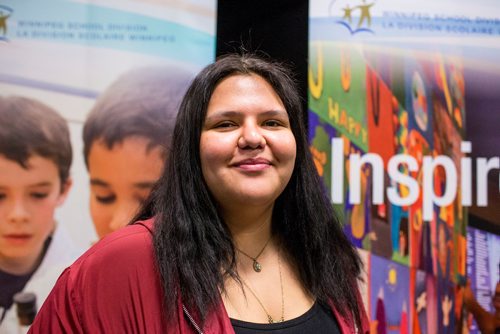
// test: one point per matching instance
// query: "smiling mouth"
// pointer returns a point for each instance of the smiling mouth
(258, 164)
(254, 167)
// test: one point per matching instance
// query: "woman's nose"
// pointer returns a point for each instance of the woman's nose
(251, 137)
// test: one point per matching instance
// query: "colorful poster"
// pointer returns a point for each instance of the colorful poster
(401, 73)
(89, 92)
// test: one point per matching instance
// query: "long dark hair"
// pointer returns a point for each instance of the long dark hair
(193, 246)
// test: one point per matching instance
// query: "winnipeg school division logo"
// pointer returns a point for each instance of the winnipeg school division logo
(357, 18)
(5, 13)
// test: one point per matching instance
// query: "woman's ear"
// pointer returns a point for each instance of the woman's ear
(65, 188)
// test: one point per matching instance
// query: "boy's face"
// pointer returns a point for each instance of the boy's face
(28, 198)
(121, 178)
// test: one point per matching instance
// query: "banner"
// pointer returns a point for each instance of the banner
(387, 98)
(116, 71)
(66, 53)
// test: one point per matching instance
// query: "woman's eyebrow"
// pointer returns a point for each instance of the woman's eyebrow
(274, 112)
(222, 114)
(233, 113)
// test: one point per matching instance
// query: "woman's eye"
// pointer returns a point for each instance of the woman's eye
(2, 196)
(224, 125)
(272, 123)
(105, 199)
(39, 195)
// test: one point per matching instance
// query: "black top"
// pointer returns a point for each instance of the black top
(318, 320)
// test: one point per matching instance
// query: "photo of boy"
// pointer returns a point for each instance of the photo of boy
(126, 138)
(35, 160)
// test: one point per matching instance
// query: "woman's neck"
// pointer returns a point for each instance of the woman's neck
(250, 228)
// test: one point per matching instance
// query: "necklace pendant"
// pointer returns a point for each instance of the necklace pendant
(256, 266)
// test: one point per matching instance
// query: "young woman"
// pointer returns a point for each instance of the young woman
(242, 238)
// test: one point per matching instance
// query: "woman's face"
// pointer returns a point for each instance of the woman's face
(247, 147)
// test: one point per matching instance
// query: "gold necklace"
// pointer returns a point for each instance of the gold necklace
(257, 267)
(269, 317)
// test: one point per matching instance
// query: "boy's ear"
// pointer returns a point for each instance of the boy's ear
(65, 191)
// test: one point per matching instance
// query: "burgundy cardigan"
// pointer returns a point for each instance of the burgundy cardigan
(115, 288)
